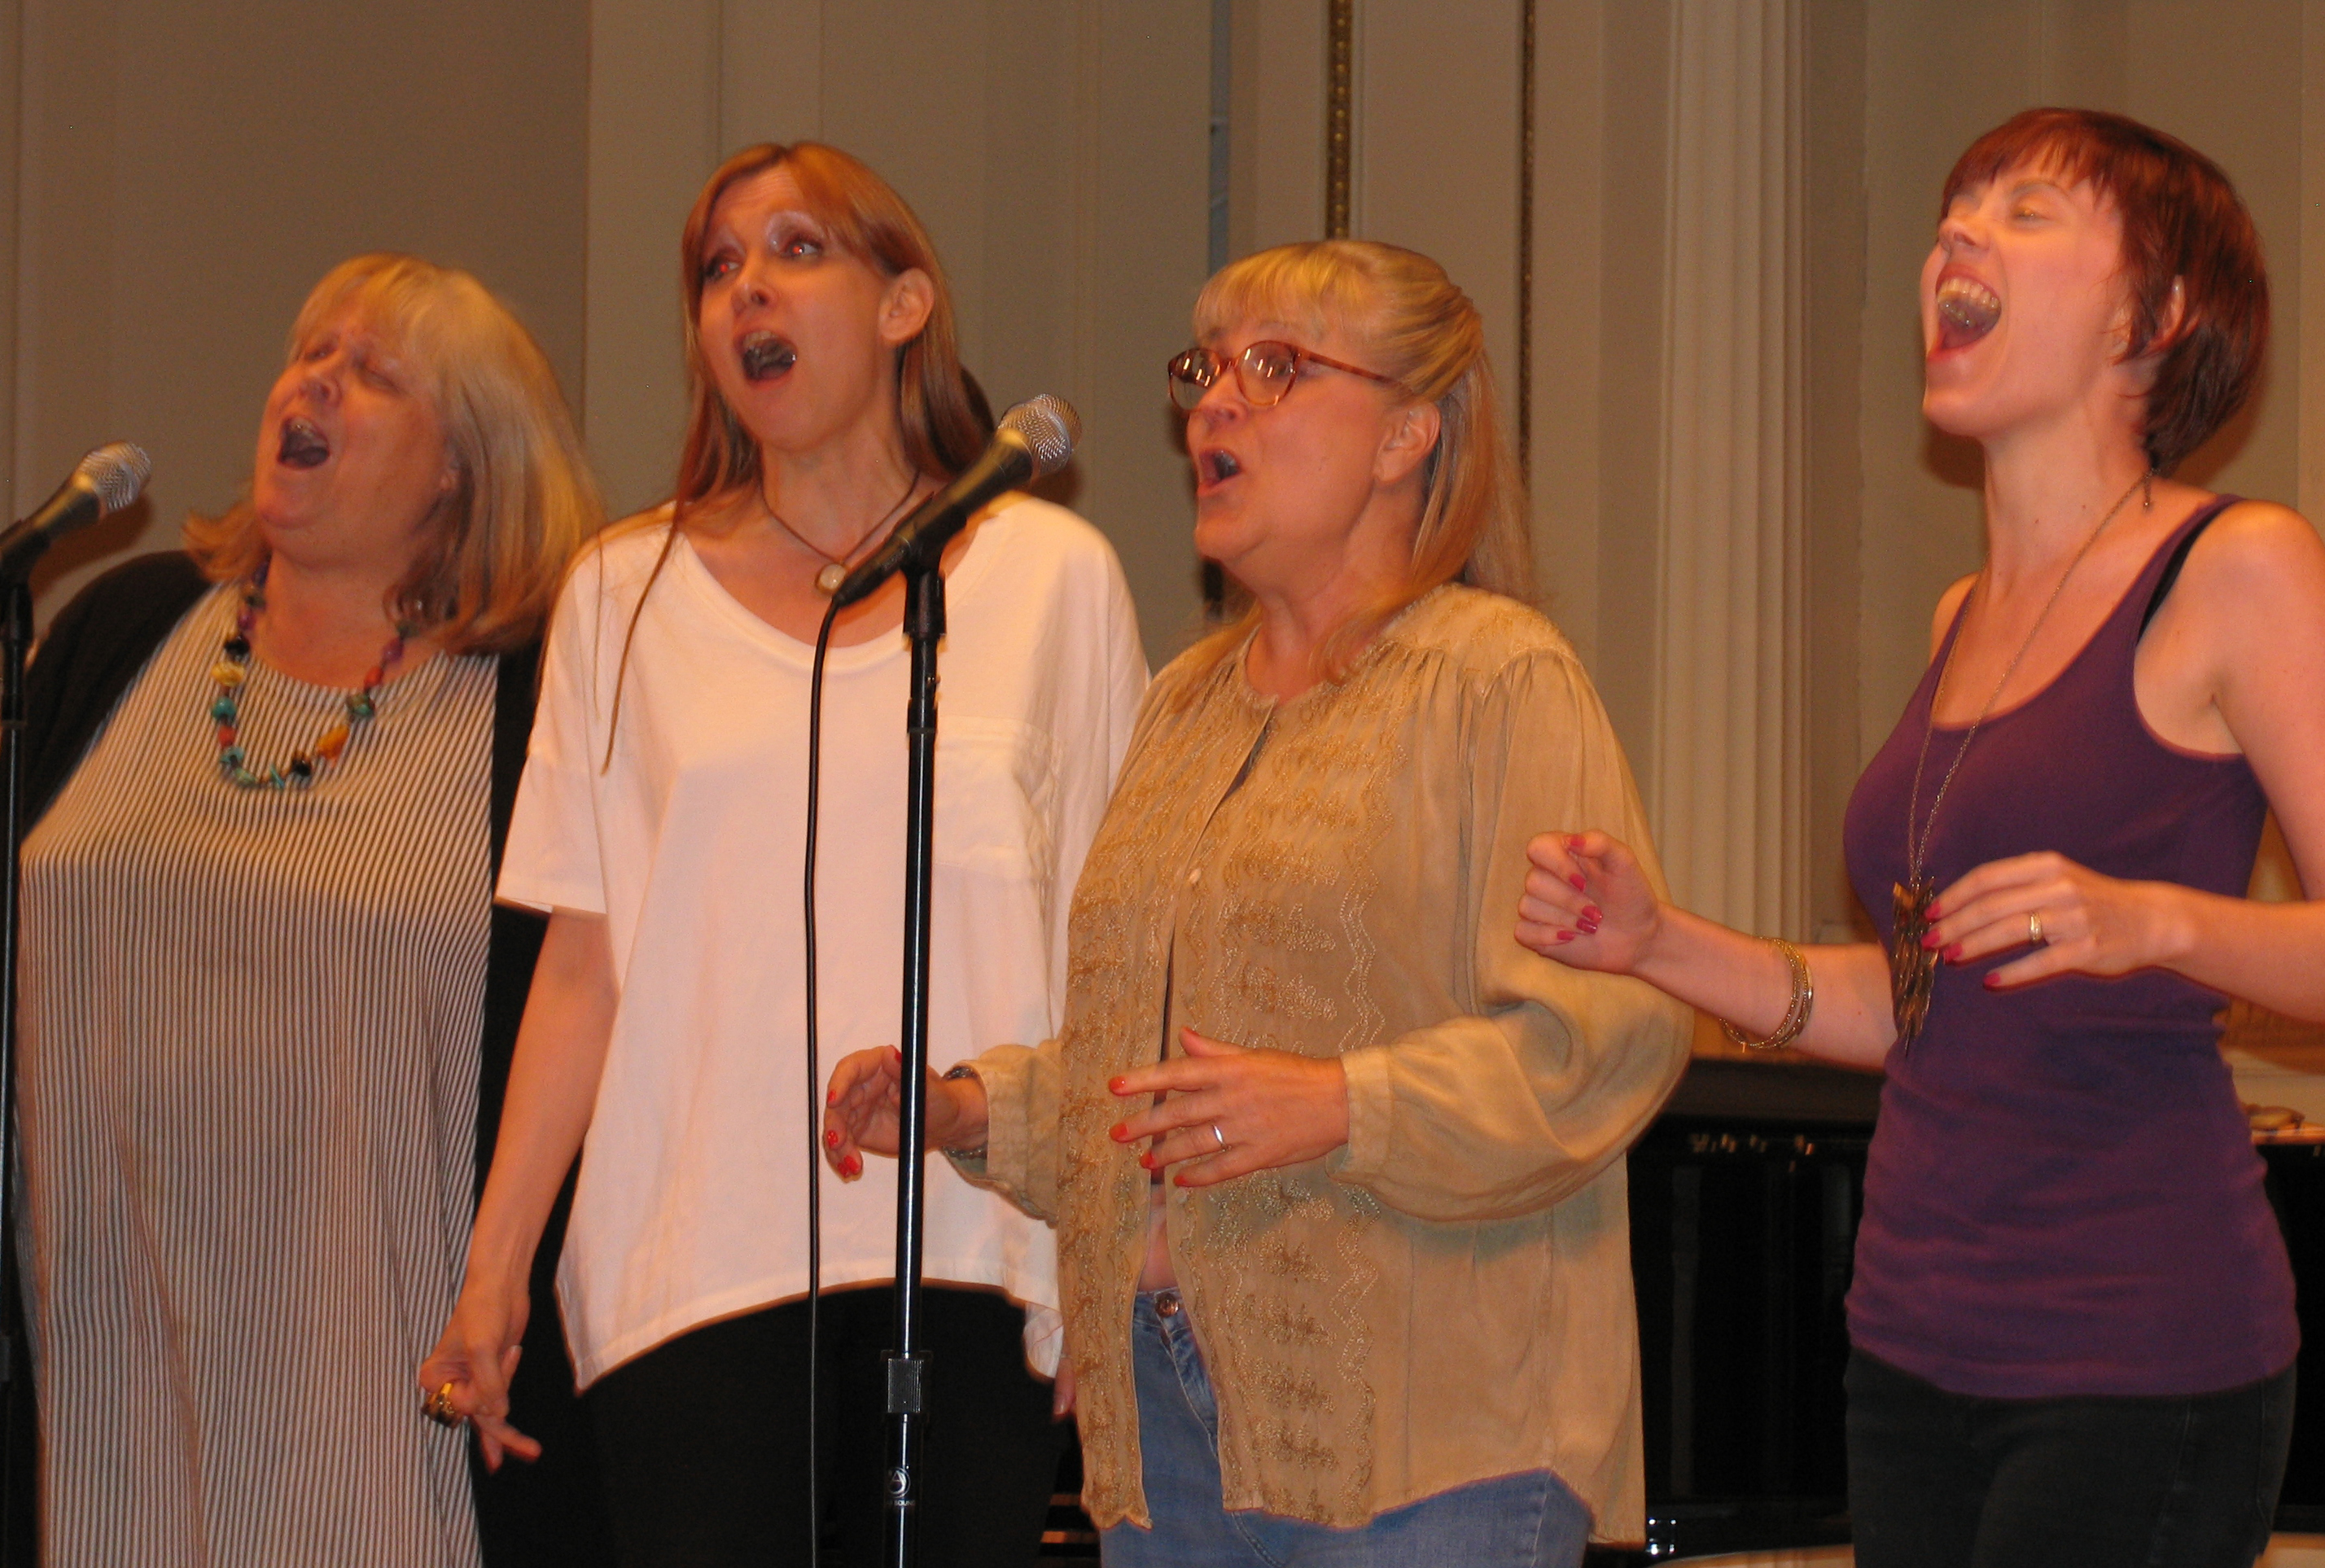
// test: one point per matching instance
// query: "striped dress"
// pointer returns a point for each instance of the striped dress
(250, 1037)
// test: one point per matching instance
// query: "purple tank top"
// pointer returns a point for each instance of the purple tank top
(2062, 1196)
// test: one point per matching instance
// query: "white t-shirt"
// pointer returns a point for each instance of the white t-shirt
(691, 1200)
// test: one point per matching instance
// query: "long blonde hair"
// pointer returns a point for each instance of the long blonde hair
(524, 501)
(1417, 326)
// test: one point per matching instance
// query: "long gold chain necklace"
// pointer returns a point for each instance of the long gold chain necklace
(834, 571)
(1913, 968)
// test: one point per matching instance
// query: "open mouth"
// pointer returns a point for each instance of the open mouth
(302, 445)
(766, 356)
(1217, 466)
(1967, 311)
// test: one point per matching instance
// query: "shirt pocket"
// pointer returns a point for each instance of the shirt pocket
(997, 794)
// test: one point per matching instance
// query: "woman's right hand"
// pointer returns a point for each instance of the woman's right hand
(864, 1102)
(475, 1361)
(1588, 903)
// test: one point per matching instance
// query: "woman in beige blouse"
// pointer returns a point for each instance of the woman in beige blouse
(1335, 1163)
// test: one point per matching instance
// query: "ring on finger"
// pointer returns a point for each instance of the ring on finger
(1217, 1137)
(2035, 928)
(438, 1407)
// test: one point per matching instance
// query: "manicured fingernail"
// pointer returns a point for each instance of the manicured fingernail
(831, 1139)
(1930, 938)
(1119, 1132)
(1566, 936)
(1580, 885)
(1593, 914)
(853, 1168)
(1933, 911)
(1146, 1162)
(1993, 980)
(1575, 845)
(1114, 1086)
(1954, 953)
(1178, 1181)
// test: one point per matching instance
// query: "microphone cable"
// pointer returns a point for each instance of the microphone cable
(814, 1090)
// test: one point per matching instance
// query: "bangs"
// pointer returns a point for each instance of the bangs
(394, 296)
(2072, 146)
(1303, 286)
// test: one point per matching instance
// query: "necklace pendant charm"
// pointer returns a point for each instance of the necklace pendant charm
(1913, 968)
(827, 580)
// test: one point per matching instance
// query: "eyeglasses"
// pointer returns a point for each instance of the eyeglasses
(1264, 372)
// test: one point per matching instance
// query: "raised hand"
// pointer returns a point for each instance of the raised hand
(1588, 903)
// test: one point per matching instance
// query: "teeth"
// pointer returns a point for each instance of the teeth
(766, 356)
(1968, 304)
(302, 445)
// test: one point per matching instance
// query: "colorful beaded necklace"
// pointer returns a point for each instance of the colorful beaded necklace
(234, 667)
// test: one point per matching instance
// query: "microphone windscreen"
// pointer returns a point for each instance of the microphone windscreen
(1049, 427)
(118, 472)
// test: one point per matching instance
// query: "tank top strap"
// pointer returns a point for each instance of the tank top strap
(2146, 595)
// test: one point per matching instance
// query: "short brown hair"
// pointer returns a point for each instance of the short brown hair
(939, 416)
(525, 501)
(2183, 222)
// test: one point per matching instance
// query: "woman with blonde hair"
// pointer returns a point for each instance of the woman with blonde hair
(266, 999)
(1335, 1164)
(662, 824)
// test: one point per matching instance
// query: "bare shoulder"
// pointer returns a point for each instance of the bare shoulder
(2257, 558)
(1950, 604)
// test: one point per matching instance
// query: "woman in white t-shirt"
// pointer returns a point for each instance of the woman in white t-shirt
(661, 822)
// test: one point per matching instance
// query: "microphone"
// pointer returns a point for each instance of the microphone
(106, 480)
(1034, 438)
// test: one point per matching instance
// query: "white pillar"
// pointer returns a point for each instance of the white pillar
(1729, 775)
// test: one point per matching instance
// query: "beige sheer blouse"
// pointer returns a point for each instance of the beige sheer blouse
(1448, 1297)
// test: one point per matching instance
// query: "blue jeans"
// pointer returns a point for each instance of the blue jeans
(1528, 1520)
(1946, 1480)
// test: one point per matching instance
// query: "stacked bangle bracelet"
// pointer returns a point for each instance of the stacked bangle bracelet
(1796, 1016)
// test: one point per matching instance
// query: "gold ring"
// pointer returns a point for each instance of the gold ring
(2035, 928)
(438, 1407)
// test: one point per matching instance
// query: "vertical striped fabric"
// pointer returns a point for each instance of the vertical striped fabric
(248, 1091)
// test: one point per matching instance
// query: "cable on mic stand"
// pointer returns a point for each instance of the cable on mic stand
(814, 1086)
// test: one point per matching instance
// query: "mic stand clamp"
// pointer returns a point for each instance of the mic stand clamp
(907, 1364)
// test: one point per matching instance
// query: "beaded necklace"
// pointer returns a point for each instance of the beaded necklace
(234, 667)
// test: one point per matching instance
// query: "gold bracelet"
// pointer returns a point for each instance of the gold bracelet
(1796, 1016)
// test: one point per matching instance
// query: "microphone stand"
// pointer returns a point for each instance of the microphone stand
(15, 653)
(907, 1364)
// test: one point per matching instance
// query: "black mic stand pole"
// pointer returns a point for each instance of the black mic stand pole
(924, 625)
(15, 653)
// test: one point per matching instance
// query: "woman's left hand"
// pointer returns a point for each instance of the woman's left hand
(2086, 924)
(1228, 1111)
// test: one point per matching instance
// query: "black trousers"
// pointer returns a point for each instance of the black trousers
(1944, 1480)
(703, 1440)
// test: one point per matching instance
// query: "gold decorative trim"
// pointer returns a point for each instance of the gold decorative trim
(1526, 34)
(1339, 90)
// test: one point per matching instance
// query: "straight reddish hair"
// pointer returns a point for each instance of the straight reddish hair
(2183, 222)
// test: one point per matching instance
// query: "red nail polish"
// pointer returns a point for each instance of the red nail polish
(1119, 1131)
(1566, 936)
(831, 1139)
(1954, 953)
(1114, 1086)
(1993, 980)
(1933, 911)
(854, 1167)
(1146, 1162)
(1580, 884)
(1593, 914)
(1575, 845)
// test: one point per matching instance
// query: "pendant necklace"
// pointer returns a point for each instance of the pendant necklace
(1913, 968)
(834, 571)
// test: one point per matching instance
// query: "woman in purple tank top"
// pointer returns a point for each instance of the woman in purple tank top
(2072, 1316)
